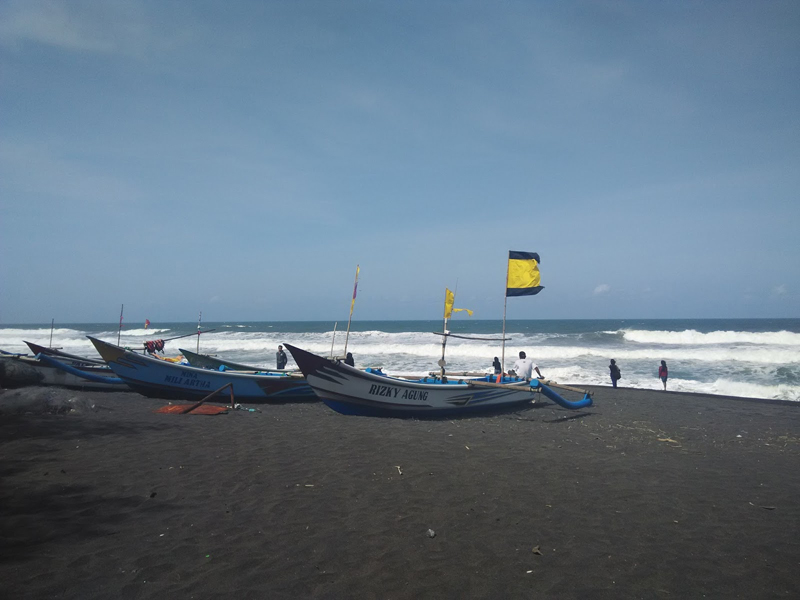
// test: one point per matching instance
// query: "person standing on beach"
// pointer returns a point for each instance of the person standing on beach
(280, 357)
(524, 367)
(663, 373)
(349, 360)
(615, 373)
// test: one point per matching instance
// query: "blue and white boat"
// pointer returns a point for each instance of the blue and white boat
(21, 370)
(351, 391)
(163, 379)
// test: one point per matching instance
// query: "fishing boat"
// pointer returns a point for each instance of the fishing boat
(162, 379)
(21, 370)
(58, 354)
(351, 391)
(204, 361)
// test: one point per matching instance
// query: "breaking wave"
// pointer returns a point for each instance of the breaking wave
(695, 338)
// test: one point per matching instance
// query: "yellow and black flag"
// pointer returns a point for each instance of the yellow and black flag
(523, 274)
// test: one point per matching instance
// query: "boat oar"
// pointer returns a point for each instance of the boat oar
(188, 408)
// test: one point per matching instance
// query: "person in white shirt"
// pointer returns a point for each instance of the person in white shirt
(524, 367)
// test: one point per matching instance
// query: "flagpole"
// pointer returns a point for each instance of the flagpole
(333, 341)
(199, 319)
(505, 304)
(352, 305)
(119, 333)
(442, 362)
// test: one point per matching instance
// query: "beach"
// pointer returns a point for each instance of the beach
(647, 494)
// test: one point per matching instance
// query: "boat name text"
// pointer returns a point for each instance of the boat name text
(393, 392)
(188, 379)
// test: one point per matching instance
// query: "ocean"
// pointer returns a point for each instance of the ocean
(757, 358)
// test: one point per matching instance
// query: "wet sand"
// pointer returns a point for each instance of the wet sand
(645, 495)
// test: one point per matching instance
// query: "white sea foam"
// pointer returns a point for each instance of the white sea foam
(694, 338)
(741, 363)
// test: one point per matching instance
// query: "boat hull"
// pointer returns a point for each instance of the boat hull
(354, 392)
(163, 379)
(72, 359)
(22, 371)
(209, 362)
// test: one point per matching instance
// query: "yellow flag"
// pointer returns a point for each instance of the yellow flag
(449, 299)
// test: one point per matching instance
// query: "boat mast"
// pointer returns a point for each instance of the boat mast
(119, 333)
(334, 337)
(199, 319)
(52, 324)
(352, 305)
(442, 362)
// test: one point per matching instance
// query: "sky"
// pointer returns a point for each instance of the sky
(242, 158)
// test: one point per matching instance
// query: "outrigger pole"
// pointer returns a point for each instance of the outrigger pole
(178, 337)
(352, 305)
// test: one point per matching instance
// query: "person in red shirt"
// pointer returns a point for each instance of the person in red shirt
(663, 373)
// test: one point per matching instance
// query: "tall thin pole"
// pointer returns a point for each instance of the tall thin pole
(334, 337)
(119, 333)
(505, 303)
(52, 324)
(444, 342)
(352, 305)
(199, 319)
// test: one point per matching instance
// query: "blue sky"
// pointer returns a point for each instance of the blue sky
(241, 158)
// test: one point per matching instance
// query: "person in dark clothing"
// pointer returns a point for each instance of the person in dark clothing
(663, 373)
(498, 369)
(280, 357)
(615, 372)
(348, 360)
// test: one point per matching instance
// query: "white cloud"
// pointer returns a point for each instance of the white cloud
(50, 23)
(601, 289)
(779, 290)
(98, 26)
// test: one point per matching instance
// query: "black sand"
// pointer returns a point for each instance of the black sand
(645, 495)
